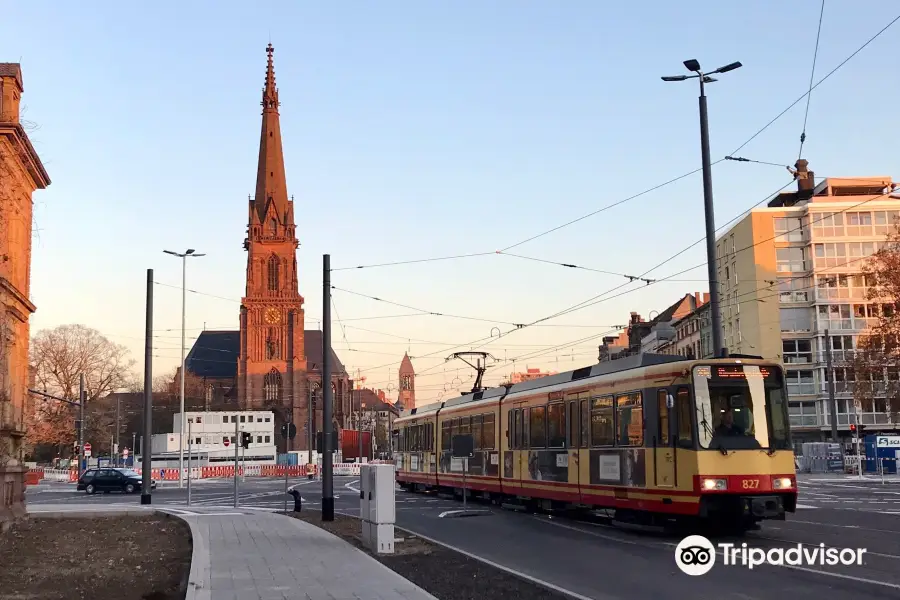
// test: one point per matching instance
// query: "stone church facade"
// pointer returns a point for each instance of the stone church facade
(272, 362)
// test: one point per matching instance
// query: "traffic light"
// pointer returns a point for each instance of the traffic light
(852, 428)
(246, 438)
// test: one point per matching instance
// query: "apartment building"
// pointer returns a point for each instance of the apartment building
(692, 334)
(789, 272)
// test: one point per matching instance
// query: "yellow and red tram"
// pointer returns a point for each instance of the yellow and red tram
(649, 437)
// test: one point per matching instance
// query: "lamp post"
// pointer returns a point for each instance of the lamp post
(694, 66)
(190, 252)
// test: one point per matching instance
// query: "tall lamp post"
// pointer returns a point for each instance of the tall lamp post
(694, 66)
(190, 252)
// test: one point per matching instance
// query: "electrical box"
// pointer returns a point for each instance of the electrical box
(383, 508)
(377, 507)
(365, 488)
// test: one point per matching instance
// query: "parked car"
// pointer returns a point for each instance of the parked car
(111, 480)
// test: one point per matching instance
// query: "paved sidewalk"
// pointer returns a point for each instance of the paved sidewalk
(265, 556)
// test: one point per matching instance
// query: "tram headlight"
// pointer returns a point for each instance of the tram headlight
(710, 484)
(782, 483)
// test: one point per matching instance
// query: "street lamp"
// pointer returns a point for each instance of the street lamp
(694, 66)
(190, 252)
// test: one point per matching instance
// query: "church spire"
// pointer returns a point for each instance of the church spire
(271, 184)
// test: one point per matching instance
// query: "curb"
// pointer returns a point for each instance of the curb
(198, 583)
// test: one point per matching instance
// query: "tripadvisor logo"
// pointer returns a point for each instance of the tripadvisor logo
(696, 555)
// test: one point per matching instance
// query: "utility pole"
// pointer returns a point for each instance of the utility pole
(693, 65)
(189, 465)
(327, 442)
(359, 431)
(81, 397)
(147, 439)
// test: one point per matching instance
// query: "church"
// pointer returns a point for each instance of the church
(272, 362)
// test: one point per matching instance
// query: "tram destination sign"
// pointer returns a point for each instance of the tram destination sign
(733, 372)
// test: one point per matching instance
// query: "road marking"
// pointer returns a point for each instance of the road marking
(506, 569)
(806, 506)
(451, 513)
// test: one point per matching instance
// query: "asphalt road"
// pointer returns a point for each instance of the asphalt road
(604, 562)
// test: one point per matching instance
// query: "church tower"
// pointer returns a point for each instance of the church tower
(272, 362)
(407, 384)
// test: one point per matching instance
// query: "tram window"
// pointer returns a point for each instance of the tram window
(585, 424)
(574, 427)
(463, 426)
(602, 431)
(630, 419)
(538, 427)
(509, 429)
(476, 431)
(488, 433)
(445, 435)
(556, 425)
(662, 431)
(683, 414)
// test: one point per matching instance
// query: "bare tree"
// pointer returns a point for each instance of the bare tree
(59, 357)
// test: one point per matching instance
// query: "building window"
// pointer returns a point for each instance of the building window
(272, 386)
(272, 272)
(803, 414)
(828, 224)
(209, 393)
(789, 229)
(800, 383)
(268, 419)
(835, 316)
(885, 221)
(830, 255)
(243, 418)
(793, 289)
(796, 351)
(796, 319)
(197, 441)
(259, 439)
(859, 223)
(268, 439)
(791, 260)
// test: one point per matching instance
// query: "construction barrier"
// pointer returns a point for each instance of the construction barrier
(71, 475)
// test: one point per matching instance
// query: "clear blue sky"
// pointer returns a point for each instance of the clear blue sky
(418, 129)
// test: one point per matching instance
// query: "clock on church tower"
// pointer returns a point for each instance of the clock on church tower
(273, 316)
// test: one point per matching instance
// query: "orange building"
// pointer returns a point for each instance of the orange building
(272, 362)
(528, 375)
(21, 173)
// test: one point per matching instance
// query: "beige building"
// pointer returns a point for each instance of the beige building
(528, 375)
(789, 272)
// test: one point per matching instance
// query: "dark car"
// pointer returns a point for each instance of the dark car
(111, 480)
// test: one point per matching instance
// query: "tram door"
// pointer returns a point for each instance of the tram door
(664, 452)
(513, 469)
(573, 439)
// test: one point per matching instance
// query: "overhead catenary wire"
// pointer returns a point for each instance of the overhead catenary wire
(812, 75)
(731, 156)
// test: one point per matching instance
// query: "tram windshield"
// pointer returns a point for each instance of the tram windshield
(740, 407)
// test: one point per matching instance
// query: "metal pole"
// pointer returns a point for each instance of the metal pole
(831, 399)
(718, 345)
(288, 465)
(237, 443)
(327, 442)
(189, 465)
(465, 470)
(360, 434)
(81, 395)
(147, 438)
(133, 447)
(181, 432)
(310, 438)
(118, 403)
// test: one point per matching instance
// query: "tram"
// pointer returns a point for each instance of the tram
(651, 438)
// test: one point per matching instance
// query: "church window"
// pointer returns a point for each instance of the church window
(407, 382)
(273, 273)
(274, 226)
(209, 393)
(272, 386)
